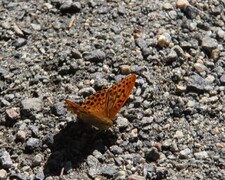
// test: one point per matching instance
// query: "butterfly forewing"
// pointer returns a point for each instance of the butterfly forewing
(118, 94)
(96, 102)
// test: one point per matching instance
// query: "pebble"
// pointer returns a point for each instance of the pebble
(32, 144)
(196, 83)
(125, 69)
(221, 34)
(9, 97)
(222, 79)
(122, 122)
(86, 91)
(3, 72)
(20, 42)
(184, 154)
(17, 30)
(164, 40)
(141, 43)
(167, 6)
(210, 78)
(182, 4)
(95, 56)
(21, 135)
(147, 121)
(172, 56)
(215, 131)
(146, 51)
(34, 130)
(199, 67)
(133, 135)
(36, 27)
(37, 159)
(166, 144)
(76, 54)
(215, 54)
(109, 170)
(58, 109)
(122, 10)
(181, 166)
(30, 106)
(209, 44)
(146, 104)
(201, 155)
(92, 161)
(190, 11)
(49, 140)
(191, 103)
(12, 114)
(98, 155)
(213, 99)
(3, 174)
(70, 6)
(179, 134)
(103, 10)
(181, 88)
(120, 175)
(5, 159)
(40, 175)
(116, 149)
(48, 5)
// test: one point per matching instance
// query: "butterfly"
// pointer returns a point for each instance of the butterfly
(100, 108)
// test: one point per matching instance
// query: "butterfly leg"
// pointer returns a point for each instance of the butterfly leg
(61, 174)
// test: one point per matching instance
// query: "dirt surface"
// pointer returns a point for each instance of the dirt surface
(172, 125)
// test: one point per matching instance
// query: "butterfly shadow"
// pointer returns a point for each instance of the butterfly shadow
(73, 144)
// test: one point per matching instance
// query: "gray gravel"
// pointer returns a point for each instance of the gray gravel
(172, 126)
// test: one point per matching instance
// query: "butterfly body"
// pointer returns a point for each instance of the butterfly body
(99, 108)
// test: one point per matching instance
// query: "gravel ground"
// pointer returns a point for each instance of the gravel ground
(172, 126)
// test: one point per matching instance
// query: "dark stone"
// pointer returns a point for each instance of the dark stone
(70, 7)
(49, 140)
(152, 155)
(95, 56)
(190, 11)
(196, 83)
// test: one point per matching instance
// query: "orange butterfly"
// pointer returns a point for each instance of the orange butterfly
(99, 108)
